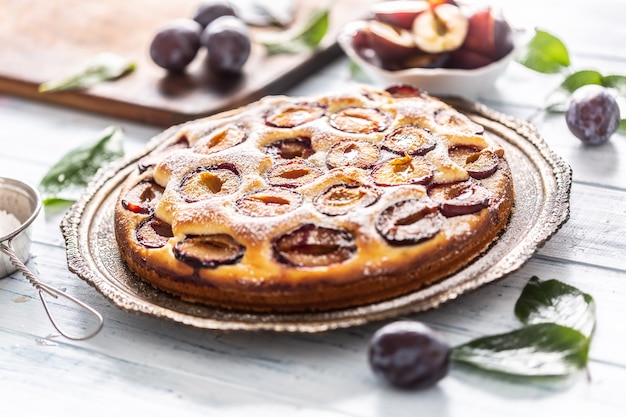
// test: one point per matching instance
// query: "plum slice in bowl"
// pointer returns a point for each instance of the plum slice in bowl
(431, 76)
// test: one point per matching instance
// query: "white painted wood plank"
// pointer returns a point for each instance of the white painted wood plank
(596, 231)
(231, 357)
(589, 27)
(145, 366)
(224, 380)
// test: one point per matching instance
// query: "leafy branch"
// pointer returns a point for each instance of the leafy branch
(305, 39)
(554, 342)
(104, 67)
(70, 175)
(547, 54)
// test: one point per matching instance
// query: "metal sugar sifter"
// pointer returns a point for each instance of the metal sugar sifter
(23, 202)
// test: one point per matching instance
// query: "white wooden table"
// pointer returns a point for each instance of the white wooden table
(139, 365)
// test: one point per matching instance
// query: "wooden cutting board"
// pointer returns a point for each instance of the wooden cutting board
(42, 40)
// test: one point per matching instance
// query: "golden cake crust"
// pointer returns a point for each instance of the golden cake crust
(315, 203)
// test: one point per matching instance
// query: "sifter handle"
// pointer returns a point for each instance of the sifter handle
(7, 249)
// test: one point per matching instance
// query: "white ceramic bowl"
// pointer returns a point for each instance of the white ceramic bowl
(436, 81)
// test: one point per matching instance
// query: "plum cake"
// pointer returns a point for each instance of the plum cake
(296, 204)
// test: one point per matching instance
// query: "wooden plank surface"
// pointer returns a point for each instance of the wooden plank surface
(141, 365)
(42, 40)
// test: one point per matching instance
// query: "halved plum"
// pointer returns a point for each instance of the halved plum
(206, 182)
(359, 120)
(291, 148)
(403, 90)
(459, 199)
(391, 43)
(271, 202)
(352, 152)
(422, 60)
(293, 173)
(292, 115)
(409, 222)
(312, 246)
(154, 233)
(341, 199)
(411, 140)
(450, 118)
(220, 139)
(209, 251)
(478, 164)
(143, 197)
(150, 160)
(399, 13)
(404, 170)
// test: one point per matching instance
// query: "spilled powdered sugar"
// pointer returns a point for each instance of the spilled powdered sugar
(8, 223)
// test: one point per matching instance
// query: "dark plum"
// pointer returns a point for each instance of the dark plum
(466, 59)
(410, 139)
(479, 164)
(154, 233)
(359, 120)
(403, 90)
(271, 202)
(220, 139)
(292, 115)
(228, 44)
(342, 199)
(450, 118)
(409, 222)
(352, 152)
(399, 13)
(314, 246)
(176, 44)
(294, 173)
(391, 43)
(403, 170)
(143, 197)
(489, 35)
(460, 199)
(299, 147)
(593, 115)
(204, 183)
(209, 251)
(409, 354)
(208, 11)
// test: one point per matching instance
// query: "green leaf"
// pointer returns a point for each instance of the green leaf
(306, 40)
(618, 82)
(357, 73)
(51, 202)
(538, 350)
(558, 100)
(105, 66)
(579, 78)
(68, 177)
(545, 53)
(266, 12)
(553, 301)
(622, 126)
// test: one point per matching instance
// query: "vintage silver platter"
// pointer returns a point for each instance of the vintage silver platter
(542, 186)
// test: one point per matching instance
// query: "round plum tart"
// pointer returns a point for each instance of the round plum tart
(299, 204)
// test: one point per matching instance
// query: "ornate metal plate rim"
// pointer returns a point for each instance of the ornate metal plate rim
(545, 202)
